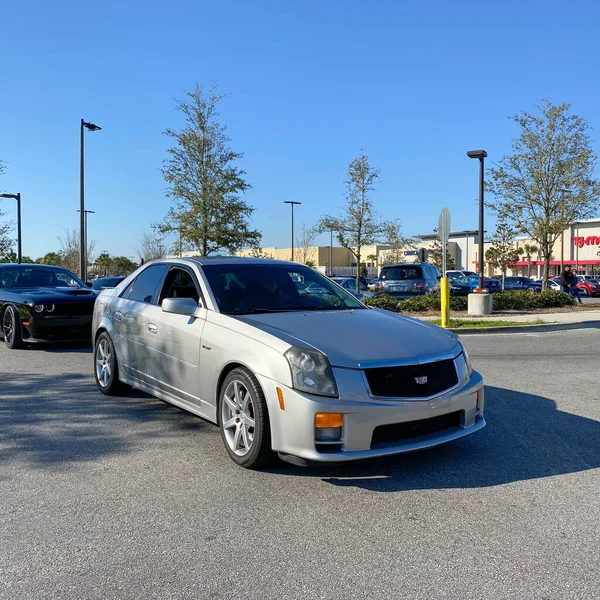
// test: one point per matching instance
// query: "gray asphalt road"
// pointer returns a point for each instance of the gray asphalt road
(132, 498)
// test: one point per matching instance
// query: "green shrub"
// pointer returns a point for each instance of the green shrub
(459, 302)
(420, 304)
(384, 302)
(522, 300)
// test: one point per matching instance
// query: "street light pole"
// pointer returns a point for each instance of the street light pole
(291, 203)
(17, 197)
(481, 155)
(82, 241)
(85, 230)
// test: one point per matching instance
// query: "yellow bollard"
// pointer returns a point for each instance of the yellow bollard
(445, 300)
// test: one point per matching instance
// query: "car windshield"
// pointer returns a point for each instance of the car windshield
(31, 276)
(263, 288)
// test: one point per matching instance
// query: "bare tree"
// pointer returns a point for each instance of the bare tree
(360, 225)
(6, 242)
(304, 244)
(69, 250)
(151, 247)
(396, 243)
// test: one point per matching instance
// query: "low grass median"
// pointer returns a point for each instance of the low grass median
(477, 323)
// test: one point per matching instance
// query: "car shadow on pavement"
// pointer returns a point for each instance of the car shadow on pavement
(63, 347)
(526, 437)
(58, 422)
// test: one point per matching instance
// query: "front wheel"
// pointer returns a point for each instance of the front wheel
(106, 368)
(11, 328)
(244, 420)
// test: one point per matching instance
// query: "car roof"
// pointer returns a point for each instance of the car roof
(31, 265)
(224, 260)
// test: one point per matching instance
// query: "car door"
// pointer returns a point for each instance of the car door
(127, 316)
(173, 341)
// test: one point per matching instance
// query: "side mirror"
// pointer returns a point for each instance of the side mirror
(179, 306)
(89, 283)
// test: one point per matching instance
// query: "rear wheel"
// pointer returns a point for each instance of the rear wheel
(11, 328)
(106, 368)
(244, 420)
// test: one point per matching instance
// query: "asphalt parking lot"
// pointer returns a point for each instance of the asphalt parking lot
(132, 498)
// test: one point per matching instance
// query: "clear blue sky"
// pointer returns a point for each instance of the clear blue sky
(416, 84)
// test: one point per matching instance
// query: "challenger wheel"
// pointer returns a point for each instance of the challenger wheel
(11, 328)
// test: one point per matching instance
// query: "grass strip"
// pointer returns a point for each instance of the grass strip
(468, 323)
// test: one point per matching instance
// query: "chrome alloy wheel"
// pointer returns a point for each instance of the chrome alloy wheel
(237, 417)
(104, 363)
(8, 327)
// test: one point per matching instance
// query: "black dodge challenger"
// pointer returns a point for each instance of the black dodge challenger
(41, 303)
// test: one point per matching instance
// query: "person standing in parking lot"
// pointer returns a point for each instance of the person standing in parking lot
(566, 278)
(574, 287)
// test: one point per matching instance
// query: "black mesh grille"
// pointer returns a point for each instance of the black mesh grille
(401, 382)
(73, 309)
(385, 434)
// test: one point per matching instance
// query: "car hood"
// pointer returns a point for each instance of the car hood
(360, 338)
(52, 294)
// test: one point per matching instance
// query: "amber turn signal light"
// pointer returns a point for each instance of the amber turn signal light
(328, 419)
(280, 398)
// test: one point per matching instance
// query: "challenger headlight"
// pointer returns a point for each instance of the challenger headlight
(49, 307)
(311, 372)
(38, 308)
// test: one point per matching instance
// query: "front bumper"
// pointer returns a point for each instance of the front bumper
(293, 429)
(58, 329)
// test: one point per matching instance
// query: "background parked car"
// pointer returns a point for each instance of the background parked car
(587, 287)
(462, 286)
(43, 303)
(104, 283)
(349, 284)
(408, 280)
(521, 283)
(457, 274)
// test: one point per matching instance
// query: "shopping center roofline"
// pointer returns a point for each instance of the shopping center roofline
(431, 236)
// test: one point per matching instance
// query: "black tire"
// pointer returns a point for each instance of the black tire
(11, 328)
(106, 367)
(248, 446)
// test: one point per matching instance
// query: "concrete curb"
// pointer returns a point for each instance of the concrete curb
(546, 327)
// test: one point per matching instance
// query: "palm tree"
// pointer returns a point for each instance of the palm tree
(528, 250)
(104, 261)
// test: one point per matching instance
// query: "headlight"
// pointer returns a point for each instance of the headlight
(311, 372)
(49, 307)
(38, 308)
(465, 354)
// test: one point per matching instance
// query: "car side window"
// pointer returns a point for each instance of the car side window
(179, 283)
(146, 284)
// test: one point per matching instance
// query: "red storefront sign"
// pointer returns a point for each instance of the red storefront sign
(590, 240)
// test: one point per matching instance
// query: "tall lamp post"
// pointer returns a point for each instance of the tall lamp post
(17, 197)
(85, 235)
(292, 203)
(82, 247)
(481, 155)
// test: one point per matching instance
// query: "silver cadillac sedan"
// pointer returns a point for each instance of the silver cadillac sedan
(284, 360)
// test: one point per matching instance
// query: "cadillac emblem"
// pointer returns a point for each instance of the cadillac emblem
(421, 380)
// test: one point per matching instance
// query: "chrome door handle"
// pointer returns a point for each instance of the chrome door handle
(152, 328)
(118, 315)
